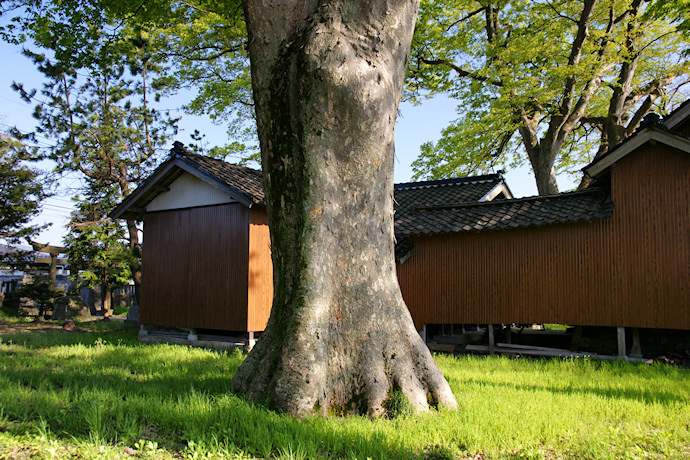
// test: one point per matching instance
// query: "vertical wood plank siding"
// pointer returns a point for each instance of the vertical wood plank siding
(194, 268)
(260, 270)
(632, 270)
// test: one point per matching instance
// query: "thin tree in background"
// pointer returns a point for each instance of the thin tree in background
(98, 248)
(21, 192)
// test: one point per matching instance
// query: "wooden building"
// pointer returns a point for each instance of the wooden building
(616, 254)
(206, 261)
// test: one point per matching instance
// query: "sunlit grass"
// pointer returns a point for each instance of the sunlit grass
(555, 327)
(100, 394)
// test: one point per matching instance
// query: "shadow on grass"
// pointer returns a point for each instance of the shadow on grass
(177, 397)
(86, 334)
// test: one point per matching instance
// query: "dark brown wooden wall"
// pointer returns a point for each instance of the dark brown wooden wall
(632, 270)
(194, 268)
(260, 270)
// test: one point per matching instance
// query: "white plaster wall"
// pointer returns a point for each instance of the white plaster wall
(188, 191)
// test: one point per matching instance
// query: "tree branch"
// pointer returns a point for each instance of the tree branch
(212, 57)
(460, 71)
(569, 123)
(528, 130)
(575, 55)
(640, 113)
(650, 88)
(505, 139)
(559, 14)
(492, 23)
(474, 13)
(69, 110)
(616, 131)
(76, 225)
(146, 118)
(595, 121)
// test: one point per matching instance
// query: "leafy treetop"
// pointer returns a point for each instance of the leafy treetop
(21, 192)
(553, 82)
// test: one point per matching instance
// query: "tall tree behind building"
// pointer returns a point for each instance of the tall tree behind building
(101, 118)
(555, 83)
(98, 247)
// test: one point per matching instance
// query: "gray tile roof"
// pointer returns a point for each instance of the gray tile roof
(407, 195)
(240, 183)
(410, 195)
(437, 192)
(580, 206)
(244, 180)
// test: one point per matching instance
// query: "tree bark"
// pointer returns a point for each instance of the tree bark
(541, 153)
(135, 263)
(615, 123)
(106, 298)
(327, 80)
(543, 166)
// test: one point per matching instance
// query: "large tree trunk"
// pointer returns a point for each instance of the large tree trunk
(543, 162)
(327, 80)
(542, 156)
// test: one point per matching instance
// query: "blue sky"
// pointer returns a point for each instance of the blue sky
(415, 125)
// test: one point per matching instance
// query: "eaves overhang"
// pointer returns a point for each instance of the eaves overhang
(134, 205)
(647, 135)
(677, 116)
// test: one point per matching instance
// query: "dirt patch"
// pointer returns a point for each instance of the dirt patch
(36, 326)
(40, 325)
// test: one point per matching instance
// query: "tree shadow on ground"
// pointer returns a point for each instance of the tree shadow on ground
(124, 394)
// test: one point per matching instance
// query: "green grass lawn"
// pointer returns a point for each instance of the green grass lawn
(100, 394)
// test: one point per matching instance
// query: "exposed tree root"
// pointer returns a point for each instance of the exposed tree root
(330, 373)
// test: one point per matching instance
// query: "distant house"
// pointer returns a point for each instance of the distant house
(616, 254)
(206, 253)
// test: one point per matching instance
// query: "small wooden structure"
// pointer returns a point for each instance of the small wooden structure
(206, 261)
